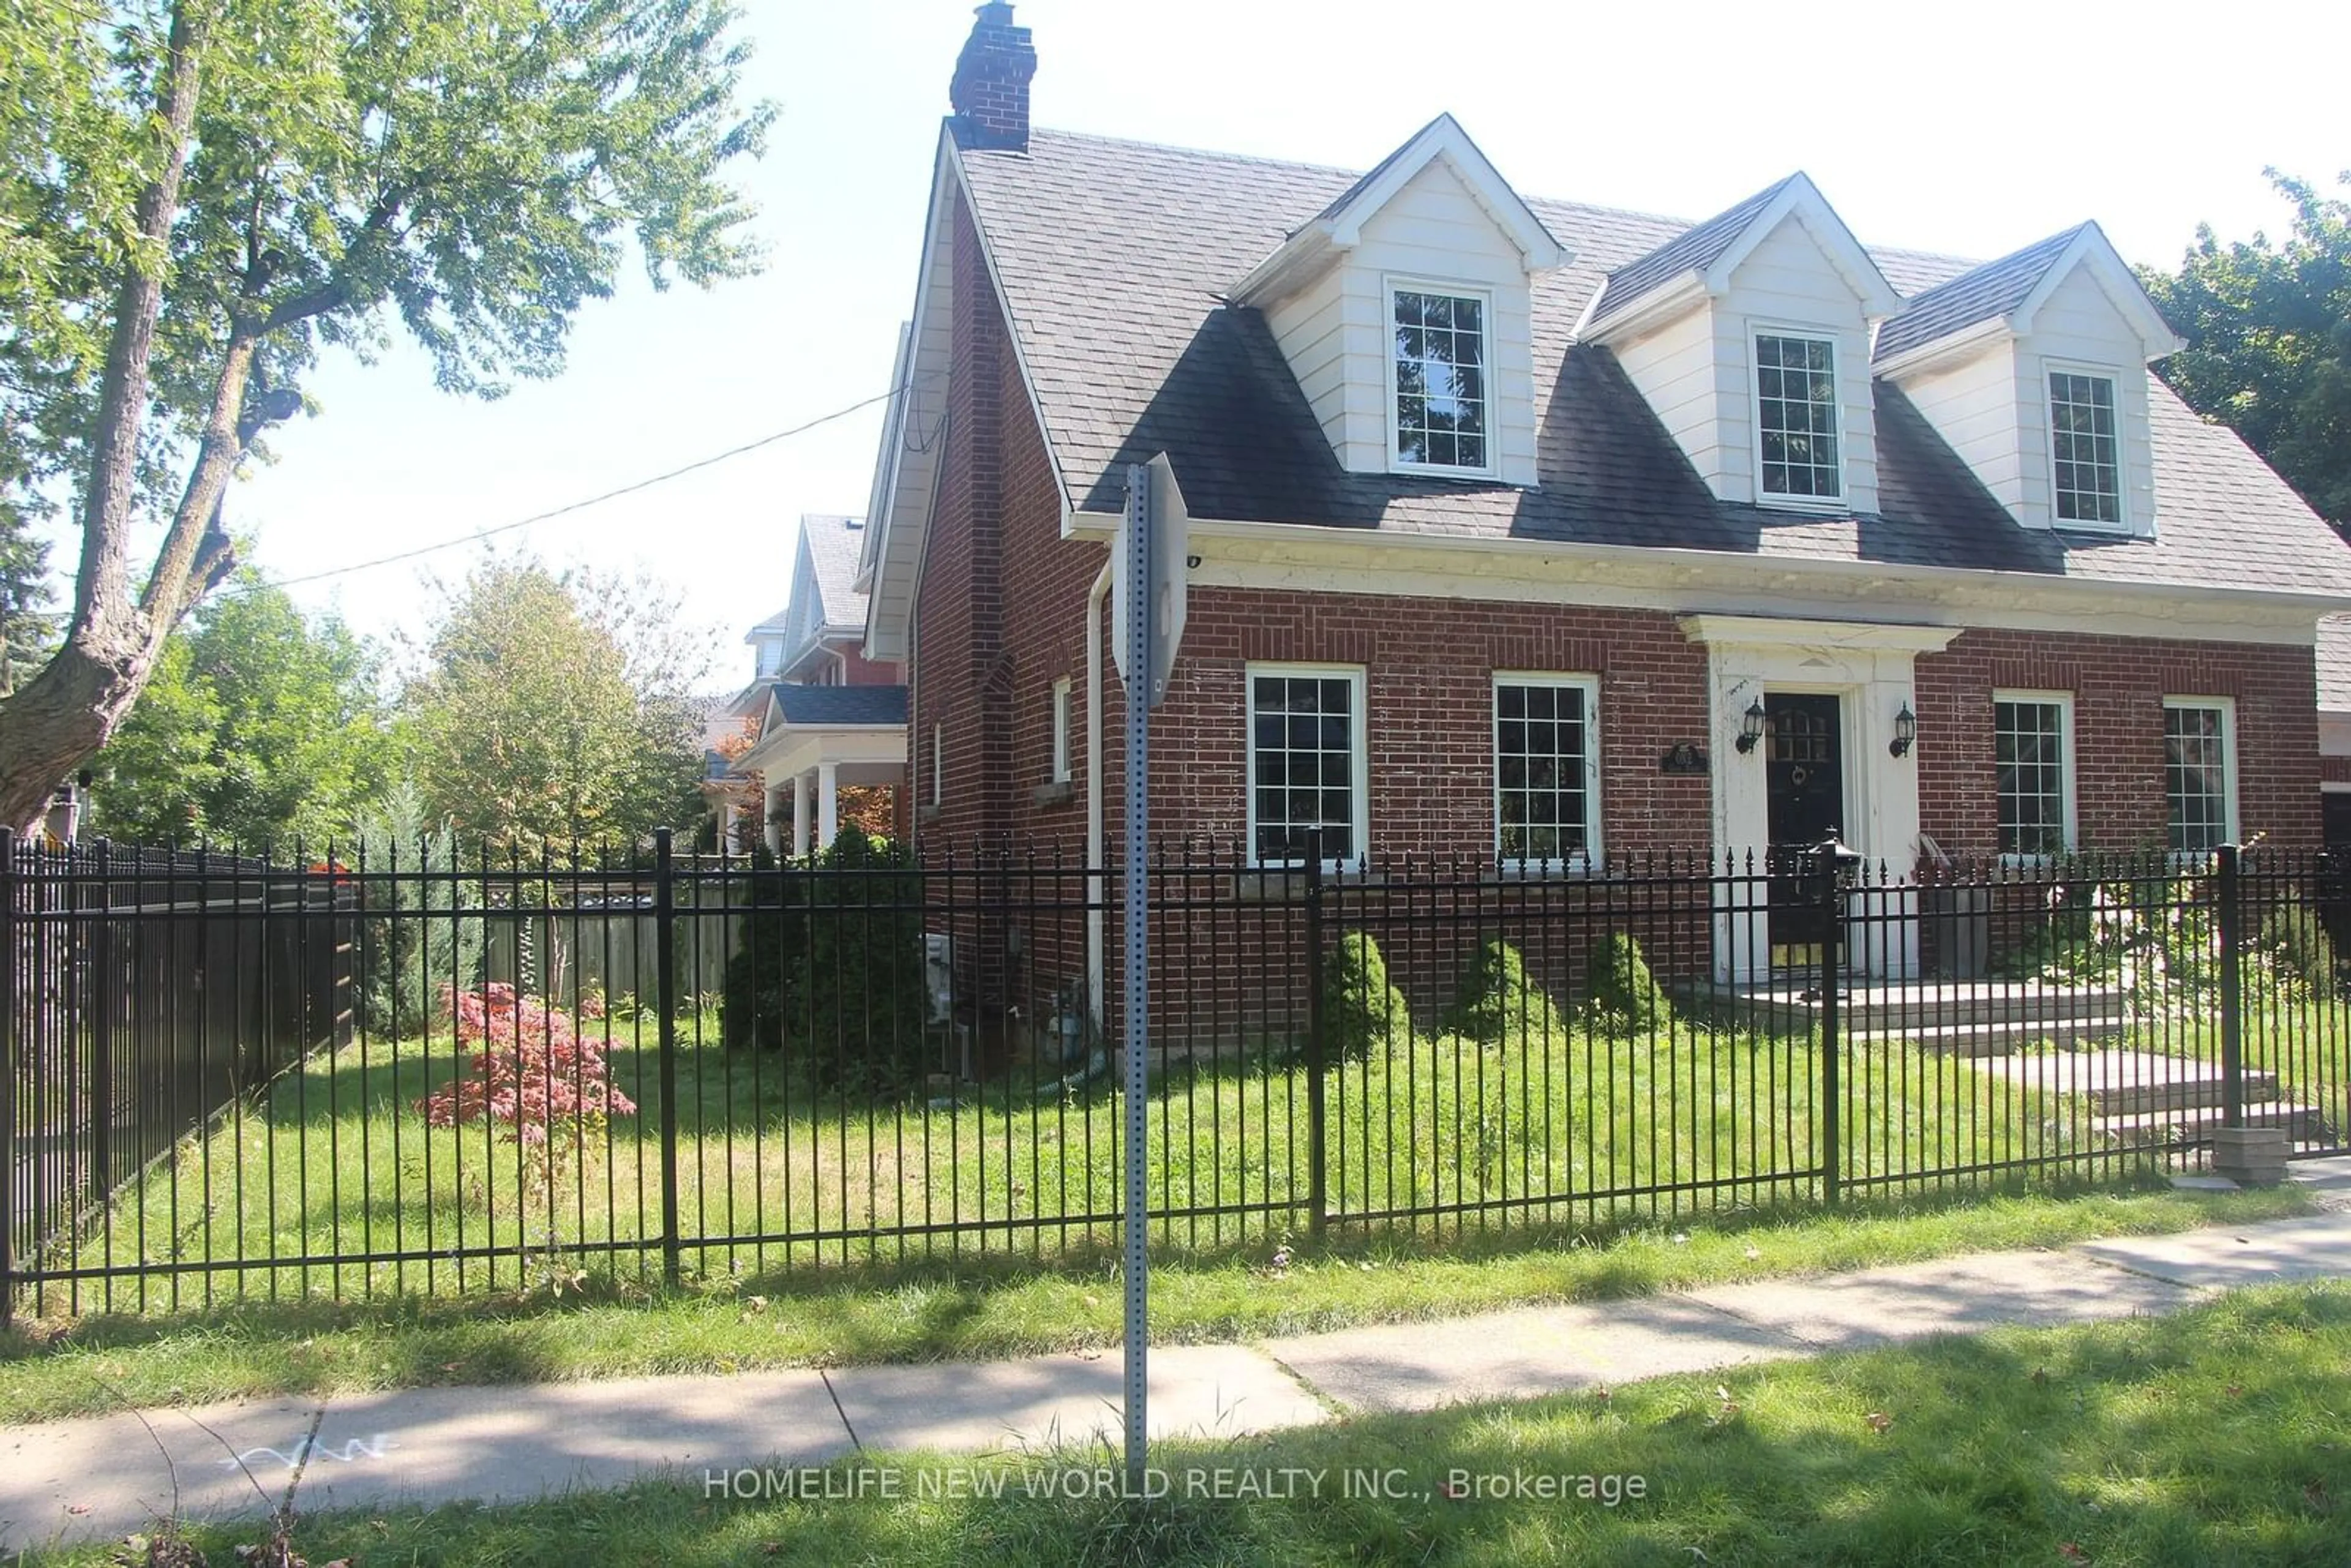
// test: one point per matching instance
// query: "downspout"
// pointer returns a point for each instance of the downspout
(1095, 888)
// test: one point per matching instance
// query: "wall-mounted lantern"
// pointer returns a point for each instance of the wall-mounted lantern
(1906, 732)
(1751, 729)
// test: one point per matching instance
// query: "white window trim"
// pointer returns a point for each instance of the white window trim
(2231, 829)
(2113, 378)
(1361, 762)
(1390, 284)
(1060, 722)
(939, 764)
(1590, 855)
(2064, 703)
(1835, 341)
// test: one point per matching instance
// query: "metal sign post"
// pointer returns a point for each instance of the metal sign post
(1137, 664)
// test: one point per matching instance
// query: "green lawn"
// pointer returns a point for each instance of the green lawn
(1434, 1137)
(2215, 1436)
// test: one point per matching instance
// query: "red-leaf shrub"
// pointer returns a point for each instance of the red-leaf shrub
(531, 1068)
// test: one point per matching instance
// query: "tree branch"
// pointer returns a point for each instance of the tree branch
(100, 595)
(167, 596)
(336, 292)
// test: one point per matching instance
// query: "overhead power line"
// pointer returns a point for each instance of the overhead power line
(628, 489)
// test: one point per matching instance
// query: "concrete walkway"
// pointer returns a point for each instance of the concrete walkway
(105, 1477)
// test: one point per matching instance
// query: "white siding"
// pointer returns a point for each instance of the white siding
(1973, 405)
(1334, 331)
(2077, 325)
(1789, 281)
(1678, 370)
(1697, 370)
(1992, 408)
(1310, 326)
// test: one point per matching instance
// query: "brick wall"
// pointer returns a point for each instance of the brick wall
(2118, 685)
(1000, 617)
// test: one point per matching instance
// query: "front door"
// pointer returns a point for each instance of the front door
(1804, 780)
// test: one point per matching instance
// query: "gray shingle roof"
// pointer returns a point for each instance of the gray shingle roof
(1114, 257)
(1980, 294)
(833, 542)
(1693, 250)
(821, 705)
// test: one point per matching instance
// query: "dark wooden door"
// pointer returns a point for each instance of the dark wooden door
(1804, 780)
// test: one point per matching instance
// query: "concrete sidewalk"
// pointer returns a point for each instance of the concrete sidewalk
(104, 1477)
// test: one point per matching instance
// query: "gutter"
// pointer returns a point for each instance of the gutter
(1096, 888)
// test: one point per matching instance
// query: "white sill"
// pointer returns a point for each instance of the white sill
(1815, 504)
(1435, 471)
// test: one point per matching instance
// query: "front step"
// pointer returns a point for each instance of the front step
(2303, 1125)
(1908, 1007)
(1997, 1040)
(2126, 1084)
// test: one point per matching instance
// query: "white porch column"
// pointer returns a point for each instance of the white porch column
(773, 828)
(800, 815)
(828, 785)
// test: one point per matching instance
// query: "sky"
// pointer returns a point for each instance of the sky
(1973, 130)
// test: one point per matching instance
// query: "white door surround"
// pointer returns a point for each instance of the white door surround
(1871, 670)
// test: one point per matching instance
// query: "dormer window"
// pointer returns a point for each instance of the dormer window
(2084, 447)
(1796, 418)
(1438, 372)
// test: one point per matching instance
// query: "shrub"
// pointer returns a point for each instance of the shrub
(1497, 1002)
(1361, 1010)
(531, 1070)
(860, 981)
(756, 992)
(2295, 949)
(1626, 998)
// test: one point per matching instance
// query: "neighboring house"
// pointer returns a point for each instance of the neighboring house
(1541, 531)
(823, 716)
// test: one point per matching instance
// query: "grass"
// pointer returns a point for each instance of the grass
(2214, 1437)
(1441, 1135)
(998, 1305)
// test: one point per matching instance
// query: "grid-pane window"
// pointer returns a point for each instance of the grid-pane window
(1061, 730)
(1441, 397)
(1303, 751)
(2196, 774)
(2029, 755)
(1796, 398)
(2082, 439)
(1542, 769)
(2084, 448)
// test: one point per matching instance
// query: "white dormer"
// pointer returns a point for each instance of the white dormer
(1404, 309)
(1749, 335)
(2033, 369)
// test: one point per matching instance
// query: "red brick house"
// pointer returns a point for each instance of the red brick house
(1545, 532)
(822, 716)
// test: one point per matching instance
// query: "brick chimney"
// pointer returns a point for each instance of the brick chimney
(990, 90)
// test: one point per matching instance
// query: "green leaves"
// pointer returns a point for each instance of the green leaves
(557, 708)
(259, 727)
(474, 172)
(2269, 333)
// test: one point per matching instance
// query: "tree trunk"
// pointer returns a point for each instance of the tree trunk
(67, 711)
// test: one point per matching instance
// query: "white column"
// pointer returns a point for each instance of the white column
(828, 785)
(773, 832)
(800, 815)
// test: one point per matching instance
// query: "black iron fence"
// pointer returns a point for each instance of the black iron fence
(410, 1071)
